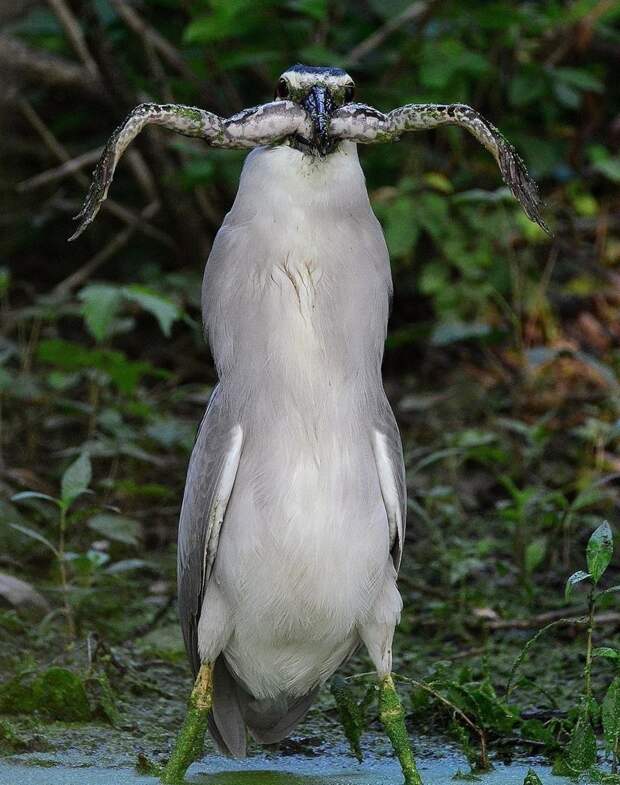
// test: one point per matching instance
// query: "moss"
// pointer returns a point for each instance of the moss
(10, 740)
(61, 694)
(57, 693)
(102, 697)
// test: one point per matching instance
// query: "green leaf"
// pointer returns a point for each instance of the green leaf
(575, 578)
(607, 652)
(534, 554)
(71, 356)
(446, 333)
(611, 715)
(582, 745)
(531, 778)
(609, 168)
(164, 310)
(34, 536)
(127, 565)
(100, 305)
(599, 551)
(76, 479)
(580, 79)
(115, 527)
(20, 497)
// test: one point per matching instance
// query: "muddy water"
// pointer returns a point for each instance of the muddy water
(263, 770)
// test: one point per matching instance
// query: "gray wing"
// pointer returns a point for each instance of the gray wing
(390, 464)
(210, 479)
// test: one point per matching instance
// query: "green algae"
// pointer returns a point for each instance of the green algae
(56, 693)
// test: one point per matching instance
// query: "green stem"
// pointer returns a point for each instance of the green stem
(587, 671)
(392, 718)
(63, 573)
(190, 741)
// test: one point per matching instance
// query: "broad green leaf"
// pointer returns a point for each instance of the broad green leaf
(609, 168)
(164, 310)
(611, 715)
(20, 497)
(580, 79)
(582, 745)
(535, 554)
(531, 778)
(115, 527)
(127, 565)
(76, 479)
(100, 305)
(599, 551)
(34, 536)
(450, 332)
(575, 578)
(607, 652)
(71, 356)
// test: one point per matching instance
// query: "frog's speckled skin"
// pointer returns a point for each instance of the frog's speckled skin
(366, 125)
(288, 122)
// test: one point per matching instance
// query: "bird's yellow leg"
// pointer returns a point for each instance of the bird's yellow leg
(392, 718)
(190, 741)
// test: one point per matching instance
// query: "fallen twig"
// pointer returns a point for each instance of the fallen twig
(75, 35)
(82, 274)
(59, 172)
(43, 67)
(413, 11)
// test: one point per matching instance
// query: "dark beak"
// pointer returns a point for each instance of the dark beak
(319, 104)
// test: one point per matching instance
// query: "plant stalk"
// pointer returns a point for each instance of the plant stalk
(63, 573)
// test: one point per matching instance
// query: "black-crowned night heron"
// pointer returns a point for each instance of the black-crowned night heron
(293, 519)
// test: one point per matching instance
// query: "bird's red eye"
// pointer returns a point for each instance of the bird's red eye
(349, 93)
(282, 90)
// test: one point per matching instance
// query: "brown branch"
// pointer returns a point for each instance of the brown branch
(365, 47)
(145, 31)
(568, 615)
(75, 35)
(121, 239)
(60, 172)
(40, 66)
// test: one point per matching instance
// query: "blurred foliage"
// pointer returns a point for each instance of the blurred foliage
(502, 359)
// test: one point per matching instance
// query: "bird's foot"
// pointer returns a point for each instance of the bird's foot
(392, 717)
(189, 744)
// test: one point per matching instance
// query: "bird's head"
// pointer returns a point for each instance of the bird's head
(320, 91)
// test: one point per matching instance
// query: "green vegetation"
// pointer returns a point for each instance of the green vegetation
(502, 364)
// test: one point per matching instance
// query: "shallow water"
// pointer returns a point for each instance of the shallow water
(262, 770)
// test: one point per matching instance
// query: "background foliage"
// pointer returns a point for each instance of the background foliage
(503, 355)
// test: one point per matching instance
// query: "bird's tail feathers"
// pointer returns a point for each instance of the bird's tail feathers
(234, 709)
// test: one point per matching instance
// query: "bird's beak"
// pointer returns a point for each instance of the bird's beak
(319, 104)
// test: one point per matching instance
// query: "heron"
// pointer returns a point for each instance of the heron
(292, 525)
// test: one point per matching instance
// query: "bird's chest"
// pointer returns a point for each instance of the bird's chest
(292, 287)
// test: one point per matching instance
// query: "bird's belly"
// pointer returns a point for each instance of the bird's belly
(304, 564)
